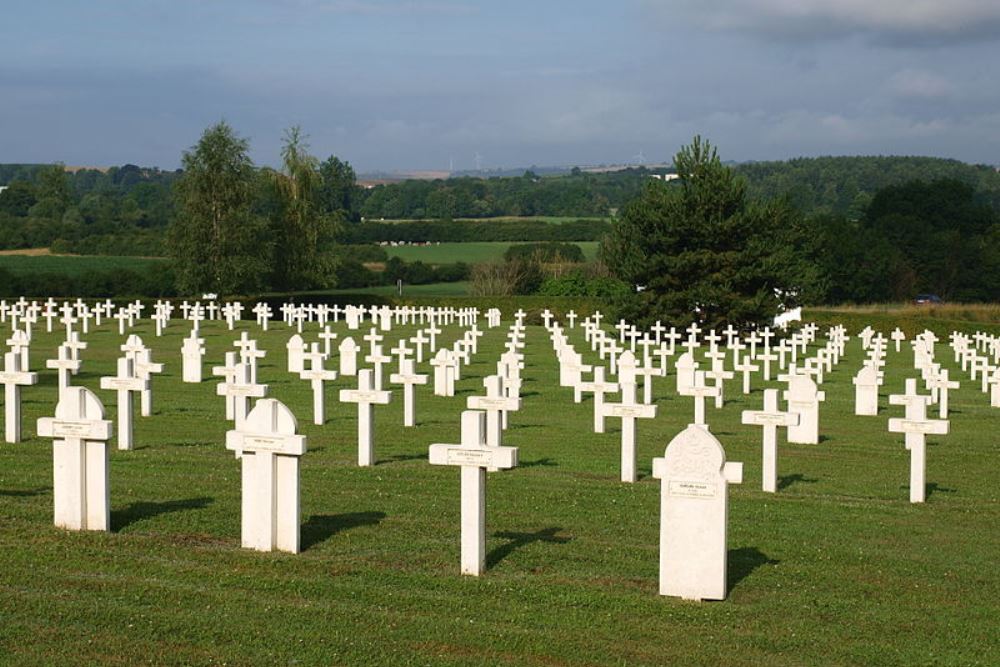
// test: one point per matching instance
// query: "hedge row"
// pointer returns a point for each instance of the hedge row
(420, 231)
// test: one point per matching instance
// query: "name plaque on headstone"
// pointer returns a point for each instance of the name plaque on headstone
(264, 444)
(477, 457)
(70, 430)
(691, 489)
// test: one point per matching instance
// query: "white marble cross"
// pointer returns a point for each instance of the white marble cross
(145, 368)
(65, 364)
(598, 387)
(270, 450)
(367, 398)
(317, 375)
(20, 344)
(124, 383)
(239, 389)
(746, 368)
(700, 391)
(916, 426)
(940, 383)
(79, 460)
(629, 410)
(408, 378)
(377, 359)
(13, 378)
(770, 418)
(494, 404)
(474, 457)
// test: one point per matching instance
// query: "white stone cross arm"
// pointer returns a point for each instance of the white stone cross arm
(269, 427)
(473, 450)
(922, 426)
(79, 416)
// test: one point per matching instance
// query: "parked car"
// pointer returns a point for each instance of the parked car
(922, 299)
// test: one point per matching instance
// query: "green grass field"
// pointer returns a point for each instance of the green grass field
(73, 264)
(838, 568)
(544, 219)
(471, 253)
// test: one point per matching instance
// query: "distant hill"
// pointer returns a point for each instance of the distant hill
(845, 185)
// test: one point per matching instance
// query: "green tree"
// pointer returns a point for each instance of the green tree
(301, 231)
(702, 251)
(338, 190)
(216, 240)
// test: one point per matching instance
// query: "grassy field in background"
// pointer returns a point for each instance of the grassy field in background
(543, 219)
(470, 253)
(837, 568)
(73, 264)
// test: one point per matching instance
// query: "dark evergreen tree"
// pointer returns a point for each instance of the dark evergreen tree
(700, 250)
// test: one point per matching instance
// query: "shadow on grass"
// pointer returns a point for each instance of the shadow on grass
(743, 561)
(517, 540)
(546, 462)
(145, 510)
(321, 527)
(931, 489)
(785, 481)
(403, 457)
(25, 493)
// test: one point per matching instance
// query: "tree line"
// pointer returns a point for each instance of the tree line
(705, 249)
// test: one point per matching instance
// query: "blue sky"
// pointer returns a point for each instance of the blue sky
(415, 84)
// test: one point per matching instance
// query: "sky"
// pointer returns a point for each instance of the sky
(428, 84)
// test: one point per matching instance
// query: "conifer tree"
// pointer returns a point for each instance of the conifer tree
(698, 249)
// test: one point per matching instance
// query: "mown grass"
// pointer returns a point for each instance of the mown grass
(543, 219)
(74, 264)
(836, 569)
(470, 253)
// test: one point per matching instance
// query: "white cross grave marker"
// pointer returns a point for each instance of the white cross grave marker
(270, 451)
(79, 460)
(367, 398)
(474, 457)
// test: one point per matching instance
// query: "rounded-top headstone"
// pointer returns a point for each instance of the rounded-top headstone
(79, 403)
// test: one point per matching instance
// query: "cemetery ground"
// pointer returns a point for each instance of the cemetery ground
(838, 567)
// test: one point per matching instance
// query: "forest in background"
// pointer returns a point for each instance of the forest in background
(878, 228)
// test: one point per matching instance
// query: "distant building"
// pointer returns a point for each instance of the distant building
(664, 177)
(3, 187)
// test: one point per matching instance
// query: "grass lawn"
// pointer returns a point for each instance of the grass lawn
(544, 219)
(838, 568)
(471, 253)
(73, 264)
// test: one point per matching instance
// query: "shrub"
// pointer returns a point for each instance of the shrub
(550, 251)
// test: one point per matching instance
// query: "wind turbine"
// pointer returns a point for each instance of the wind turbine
(479, 161)
(640, 158)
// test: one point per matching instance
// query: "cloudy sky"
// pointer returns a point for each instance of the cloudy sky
(414, 84)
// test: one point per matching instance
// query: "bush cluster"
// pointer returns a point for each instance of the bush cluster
(156, 282)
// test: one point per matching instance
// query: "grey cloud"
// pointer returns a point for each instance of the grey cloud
(911, 23)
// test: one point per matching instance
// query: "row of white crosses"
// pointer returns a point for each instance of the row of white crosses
(979, 356)
(693, 472)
